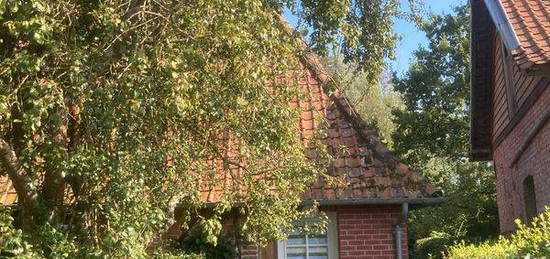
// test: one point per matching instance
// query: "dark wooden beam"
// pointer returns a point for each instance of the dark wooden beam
(529, 102)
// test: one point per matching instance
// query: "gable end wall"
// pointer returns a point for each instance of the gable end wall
(520, 139)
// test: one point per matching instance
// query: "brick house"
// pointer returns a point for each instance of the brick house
(368, 215)
(511, 102)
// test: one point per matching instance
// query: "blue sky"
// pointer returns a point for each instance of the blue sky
(412, 38)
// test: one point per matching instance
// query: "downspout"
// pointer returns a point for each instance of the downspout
(398, 230)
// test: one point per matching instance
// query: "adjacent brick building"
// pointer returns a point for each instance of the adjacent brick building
(368, 213)
(511, 102)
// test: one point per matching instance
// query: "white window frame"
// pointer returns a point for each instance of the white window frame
(332, 239)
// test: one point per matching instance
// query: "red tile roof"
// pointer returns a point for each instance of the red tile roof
(369, 169)
(366, 167)
(530, 20)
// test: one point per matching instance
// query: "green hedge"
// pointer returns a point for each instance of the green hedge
(529, 241)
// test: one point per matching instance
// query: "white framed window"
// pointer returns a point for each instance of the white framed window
(302, 245)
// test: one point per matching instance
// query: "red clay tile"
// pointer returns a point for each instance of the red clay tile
(530, 20)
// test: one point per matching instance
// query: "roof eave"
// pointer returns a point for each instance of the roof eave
(417, 202)
(511, 41)
(481, 155)
(503, 25)
(480, 96)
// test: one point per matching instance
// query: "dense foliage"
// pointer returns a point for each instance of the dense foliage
(359, 31)
(529, 241)
(114, 112)
(436, 90)
(432, 135)
(375, 102)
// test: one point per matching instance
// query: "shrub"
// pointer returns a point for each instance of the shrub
(11, 239)
(432, 247)
(15, 244)
(494, 250)
(529, 241)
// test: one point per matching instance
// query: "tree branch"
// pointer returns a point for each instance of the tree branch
(74, 136)
(171, 221)
(26, 191)
(53, 186)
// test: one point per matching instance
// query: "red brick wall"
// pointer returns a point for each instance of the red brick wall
(534, 161)
(367, 232)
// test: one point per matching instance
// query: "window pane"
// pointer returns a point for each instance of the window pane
(317, 250)
(296, 239)
(318, 239)
(529, 198)
(306, 245)
(296, 252)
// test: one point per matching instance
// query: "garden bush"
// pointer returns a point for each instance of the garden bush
(529, 241)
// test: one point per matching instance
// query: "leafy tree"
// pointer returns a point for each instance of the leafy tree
(433, 134)
(112, 113)
(436, 91)
(374, 102)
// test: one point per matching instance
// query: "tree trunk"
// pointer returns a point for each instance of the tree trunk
(25, 189)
